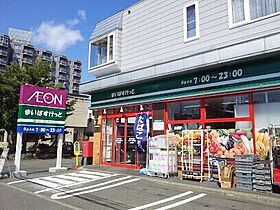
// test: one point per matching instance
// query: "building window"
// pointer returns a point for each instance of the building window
(187, 110)
(241, 11)
(227, 107)
(102, 51)
(191, 22)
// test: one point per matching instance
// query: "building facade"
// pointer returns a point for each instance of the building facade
(76, 122)
(191, 64)
(4, 52)
(17, 47)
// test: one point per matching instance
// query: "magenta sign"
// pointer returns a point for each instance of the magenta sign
(38, 96)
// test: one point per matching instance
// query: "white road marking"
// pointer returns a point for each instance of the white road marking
(77, 179)
(95, 173)
(15, 182)
(162, 201)
(84, 175)
(58, 180)
(183, 201)
(80, 191)
(44, 183)
(78, 183)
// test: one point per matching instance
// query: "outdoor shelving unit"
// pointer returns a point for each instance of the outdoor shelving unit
(193, 154)
(162, 156)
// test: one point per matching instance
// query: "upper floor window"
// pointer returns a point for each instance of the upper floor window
(241, 11)
(102, 51)
(191, 22)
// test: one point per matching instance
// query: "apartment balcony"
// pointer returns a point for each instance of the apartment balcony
(78, 67)
(3, 61)
(63, 63)
(27, 60)
(28, 52)
(4, 43)
(63, 70)
(77, 74)
(76, 81)
(3, 52)
(46, 58)
(62, 78)
(76, 88)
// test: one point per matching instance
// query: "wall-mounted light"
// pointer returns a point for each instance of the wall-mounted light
(141, 108)
(121, 109)
(104, 111)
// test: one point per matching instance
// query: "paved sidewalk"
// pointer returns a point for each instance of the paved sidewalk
(271, 198)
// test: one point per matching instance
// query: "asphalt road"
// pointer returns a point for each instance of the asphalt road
(94, 189)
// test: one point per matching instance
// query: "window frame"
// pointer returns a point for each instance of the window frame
(108, 60)
(197, 34)
(247, 15)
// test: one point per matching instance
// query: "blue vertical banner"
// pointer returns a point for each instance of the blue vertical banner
(140, 132)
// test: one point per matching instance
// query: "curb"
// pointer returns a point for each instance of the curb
(251, 196)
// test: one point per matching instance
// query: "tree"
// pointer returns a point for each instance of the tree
(10, 83)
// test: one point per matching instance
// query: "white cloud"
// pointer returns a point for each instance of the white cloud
(73, 22)
(56, 37)
(82, 14)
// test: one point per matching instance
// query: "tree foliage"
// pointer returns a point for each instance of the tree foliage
(10, 87)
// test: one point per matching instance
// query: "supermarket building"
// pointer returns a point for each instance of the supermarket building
(189, 64)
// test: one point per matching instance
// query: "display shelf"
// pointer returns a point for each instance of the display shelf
(193, 154)
(162, 156)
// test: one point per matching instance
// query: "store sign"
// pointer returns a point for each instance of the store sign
(140, 132)
(41, 110)
(223, 76)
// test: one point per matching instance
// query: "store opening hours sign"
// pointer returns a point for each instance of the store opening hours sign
(41, 110)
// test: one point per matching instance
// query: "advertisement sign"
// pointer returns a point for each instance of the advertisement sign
(41, 110)
(158, 125)
(140, 132)
(39, 96)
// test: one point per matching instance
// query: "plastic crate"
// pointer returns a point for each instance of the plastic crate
(244, 179)
(244, 172)
(262, 182)
(262, 172)
(244, 186)
(262, 188)
(246, 158)
(261, 177)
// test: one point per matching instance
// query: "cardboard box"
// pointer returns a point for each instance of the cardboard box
(226, 184)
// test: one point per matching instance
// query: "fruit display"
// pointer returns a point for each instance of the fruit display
(194, 136)
(227, 143)
(262, 143)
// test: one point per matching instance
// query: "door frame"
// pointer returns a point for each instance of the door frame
(113, 117)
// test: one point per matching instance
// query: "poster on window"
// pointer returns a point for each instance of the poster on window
(140, 132)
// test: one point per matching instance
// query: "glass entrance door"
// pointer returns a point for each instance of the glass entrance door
(130, 142)
(107, 136)
(119, 143)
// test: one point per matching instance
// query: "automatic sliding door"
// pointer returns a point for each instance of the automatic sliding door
(119, 140)
(107, 135)
(130, 142)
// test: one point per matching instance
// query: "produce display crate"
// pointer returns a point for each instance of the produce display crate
(193, 155)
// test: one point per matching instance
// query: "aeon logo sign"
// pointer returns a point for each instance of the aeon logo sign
(48, 98)
(38, 96)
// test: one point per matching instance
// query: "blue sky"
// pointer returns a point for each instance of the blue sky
(63, 26)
